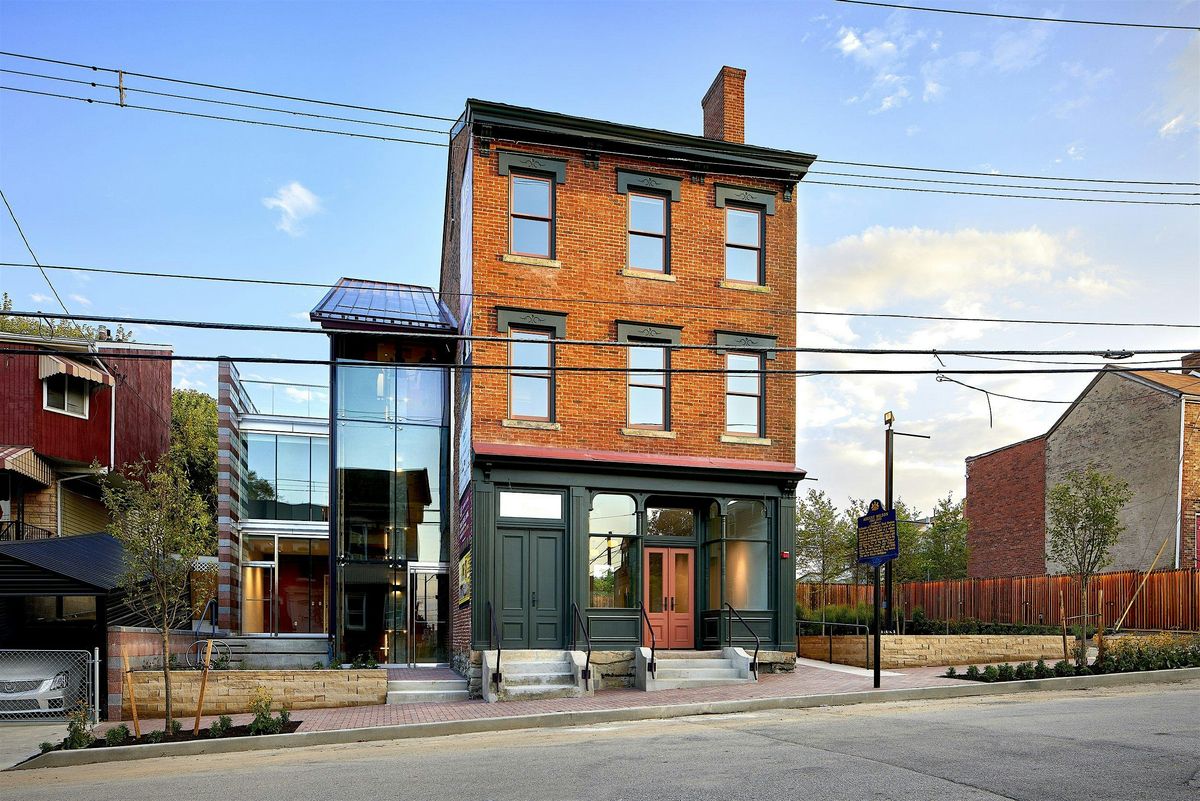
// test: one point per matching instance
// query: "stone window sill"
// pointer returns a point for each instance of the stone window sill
(530, 261)
(538, 425)
(734, 439)
(742, 286)
(648, 275)
(648, 432)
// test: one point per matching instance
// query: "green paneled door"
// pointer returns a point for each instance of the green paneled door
(530, 592)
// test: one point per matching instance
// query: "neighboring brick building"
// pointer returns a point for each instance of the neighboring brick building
(1141, 426)
(581, 486)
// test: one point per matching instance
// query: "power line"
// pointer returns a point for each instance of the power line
(212, 101)
(1022, 17)
(602, 302)
(1005, 174)
(1093, 401)
(223, 118)
(1005, 195)
(1003, 186)
(219, 87)
(32, 255)
(291, 329)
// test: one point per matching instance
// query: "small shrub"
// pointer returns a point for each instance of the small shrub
(1083, 670)
(155, 736)
(264, 722)
(1064, 668)
(176, 726)
(220, 727)
(1005, 672)
(221, 662)
(1041, 670)
(1023, 671)
(951, 673)
(990, 674)
(79, 727)
(117, 735)
(46, 746)
(364, 661)
(973, 673)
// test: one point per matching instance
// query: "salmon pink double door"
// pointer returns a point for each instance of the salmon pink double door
(670, 597)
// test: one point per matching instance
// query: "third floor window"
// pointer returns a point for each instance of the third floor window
(649, 388)
(531, 379)
(648, 226)
(743, 245)
(531, 217)
(744, 394)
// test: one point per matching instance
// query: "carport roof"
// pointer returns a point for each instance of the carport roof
(89, 564)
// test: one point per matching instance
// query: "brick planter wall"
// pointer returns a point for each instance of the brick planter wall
(229, 691)
(143, 647)
(936, 649)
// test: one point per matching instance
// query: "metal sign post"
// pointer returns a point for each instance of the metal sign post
(878, 544)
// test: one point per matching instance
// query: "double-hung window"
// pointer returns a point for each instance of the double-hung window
(531, 376)
(744, 244)
(744, 394)
(67, 394)
(649, 388)
(531, 215)
(648, 227)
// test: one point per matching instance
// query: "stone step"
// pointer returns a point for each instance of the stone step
(286, 645)
(532, 666)
(680, 684)
(693, 664)
(426, 696)
(665, 655)
(538, 679)
(666, 674)
(399, 685)
(537, 691)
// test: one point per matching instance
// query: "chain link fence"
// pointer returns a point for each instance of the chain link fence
(47, 685)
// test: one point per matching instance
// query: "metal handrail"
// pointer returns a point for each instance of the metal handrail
(757, 641)
(212, 602)
(577, 623)
(497, 677)
(653, 640)
(866, 633)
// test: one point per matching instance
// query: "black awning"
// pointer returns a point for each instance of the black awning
(89, 564)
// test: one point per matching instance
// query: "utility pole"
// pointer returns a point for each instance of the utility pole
(889, 620)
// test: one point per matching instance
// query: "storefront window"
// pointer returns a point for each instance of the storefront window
(610, 579)
(746, 520)
(664, 521)
(746, 549)
(614, 515)
(746, 581)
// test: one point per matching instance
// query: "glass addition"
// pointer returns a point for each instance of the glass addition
(366, 392)
(365, 481)
(418, 493)
(303, 577)
(648, 232)
(532, 216)
(530, 382)
(610, 580)
(743, 245)
(743, 395)
(259, 490)
(648, 390)
(670, 522)
(285, 477)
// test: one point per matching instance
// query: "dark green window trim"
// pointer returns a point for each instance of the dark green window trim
(665, 333)
(506, 317)
(628, 179)
(740, 194)
(729, 340)
(533, 162)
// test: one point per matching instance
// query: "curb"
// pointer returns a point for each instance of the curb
(60, 759)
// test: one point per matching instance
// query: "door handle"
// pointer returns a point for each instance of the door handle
(666, 607)
(533, 599)
(672, 603)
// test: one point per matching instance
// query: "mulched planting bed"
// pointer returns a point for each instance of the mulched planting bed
(185, 735)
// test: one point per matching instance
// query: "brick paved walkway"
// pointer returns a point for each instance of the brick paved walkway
(806, 680)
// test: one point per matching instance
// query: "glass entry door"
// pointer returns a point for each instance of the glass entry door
(670, 597)
(429, 615)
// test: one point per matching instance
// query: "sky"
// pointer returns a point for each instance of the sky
(123, 188)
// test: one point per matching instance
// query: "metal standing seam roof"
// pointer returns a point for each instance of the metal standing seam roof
(355, 302)
(93, 559)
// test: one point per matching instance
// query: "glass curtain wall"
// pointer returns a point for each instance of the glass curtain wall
(285, 584)
(390, 470)
(285, 477)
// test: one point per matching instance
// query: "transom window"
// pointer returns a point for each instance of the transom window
(531, 380)
(649, 395)
(531, 225)
(67, 394)
(648, 232)
(743, 395)
(743, 245)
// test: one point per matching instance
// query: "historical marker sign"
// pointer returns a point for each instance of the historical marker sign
(878, 541)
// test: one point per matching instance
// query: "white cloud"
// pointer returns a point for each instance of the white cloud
(1172, 126)
(1075, 152)
(1013, 52)
(38, 297)
(1179, 111)
(82, 300)
(294, 203)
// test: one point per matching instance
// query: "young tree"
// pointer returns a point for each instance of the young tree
(944, 541)
(194, 443)
(1084, 524)
(163, 525)
(824, 540)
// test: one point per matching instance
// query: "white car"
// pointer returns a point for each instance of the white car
(24, 690)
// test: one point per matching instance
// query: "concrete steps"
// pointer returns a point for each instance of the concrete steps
(415, 691)
(535, 674)
(685, 669)
(277, 653)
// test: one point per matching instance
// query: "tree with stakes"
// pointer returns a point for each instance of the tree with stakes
(1084, 524)
(164, 527)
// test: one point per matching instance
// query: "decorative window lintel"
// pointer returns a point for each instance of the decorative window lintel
(740, 194)
(506, 317)
(728, 340)
(508, 160)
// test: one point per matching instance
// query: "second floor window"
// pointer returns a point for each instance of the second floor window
(648, 232)
(531, 217)
(743, 395)
(67, 394)
(649, 390)
(743, 245)
(531, 378)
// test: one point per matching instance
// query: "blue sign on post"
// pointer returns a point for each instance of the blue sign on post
(878, 541)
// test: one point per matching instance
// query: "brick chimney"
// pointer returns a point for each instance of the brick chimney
(725, 106)
(1191, 362)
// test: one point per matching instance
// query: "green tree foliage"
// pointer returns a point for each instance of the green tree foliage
(943, 545)
(194, 443)
(1084, 524)
(824, 540)
(41, 327)
(164, 526)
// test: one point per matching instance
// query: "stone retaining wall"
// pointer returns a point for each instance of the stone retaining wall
(920, 650)
(230, 691)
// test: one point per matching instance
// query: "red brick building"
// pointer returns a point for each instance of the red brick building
(1143, 427)
(586, 471)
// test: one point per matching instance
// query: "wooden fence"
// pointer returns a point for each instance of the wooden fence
(1169, 601)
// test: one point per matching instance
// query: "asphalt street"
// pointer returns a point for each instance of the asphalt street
(1130, 744)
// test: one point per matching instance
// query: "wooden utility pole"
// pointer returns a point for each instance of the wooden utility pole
(1062, 617)
(127, 682)
(203, 685)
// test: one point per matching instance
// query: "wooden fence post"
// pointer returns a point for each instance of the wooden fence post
(203, 685)
(127, 681)
(1062, 616)
(1099, 624)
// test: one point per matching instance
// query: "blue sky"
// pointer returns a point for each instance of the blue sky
(131, 189)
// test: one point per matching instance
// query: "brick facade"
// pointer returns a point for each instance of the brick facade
(230, 405)
(1006, 509)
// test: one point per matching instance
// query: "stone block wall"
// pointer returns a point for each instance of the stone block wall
(926, 650)
(229, 692)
